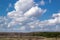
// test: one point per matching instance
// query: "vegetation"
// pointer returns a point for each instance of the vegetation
(19, 36)
(47, 34)
(43, 34)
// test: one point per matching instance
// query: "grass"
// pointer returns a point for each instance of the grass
(18, 38)
(10, 38)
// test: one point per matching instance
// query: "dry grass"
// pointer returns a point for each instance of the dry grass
(27, 38)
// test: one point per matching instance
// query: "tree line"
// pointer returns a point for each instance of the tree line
(47, 34)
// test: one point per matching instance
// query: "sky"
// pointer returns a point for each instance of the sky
(29, 15)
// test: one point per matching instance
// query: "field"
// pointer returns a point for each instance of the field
(27, 38)
(30, 36)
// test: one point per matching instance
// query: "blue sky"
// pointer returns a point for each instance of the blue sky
(51, 7)
(4, 4)
(20, 15)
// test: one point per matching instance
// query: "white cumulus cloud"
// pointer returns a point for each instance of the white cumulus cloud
(24, 13)
(24, 18)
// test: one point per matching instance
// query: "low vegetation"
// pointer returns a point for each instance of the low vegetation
(23, 36)
(47, 34)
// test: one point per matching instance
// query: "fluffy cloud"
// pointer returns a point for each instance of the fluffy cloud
(34, 11)
(57, 17)
(24, 18)
(54, 22)
(24, 13)
(47, 25)
(24, 5)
